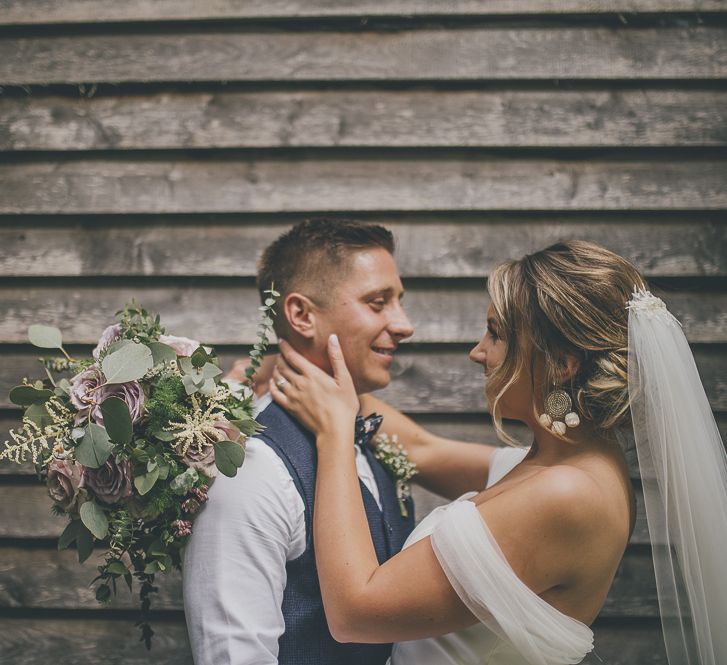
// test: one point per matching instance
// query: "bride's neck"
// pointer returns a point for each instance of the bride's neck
(548, 449)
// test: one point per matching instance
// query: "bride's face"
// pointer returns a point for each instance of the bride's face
(490, 352)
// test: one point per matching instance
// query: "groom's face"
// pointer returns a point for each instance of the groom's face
(366, 313)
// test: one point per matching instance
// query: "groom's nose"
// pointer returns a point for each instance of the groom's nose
(399, 324)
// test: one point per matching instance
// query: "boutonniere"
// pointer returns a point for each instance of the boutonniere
(395, 460)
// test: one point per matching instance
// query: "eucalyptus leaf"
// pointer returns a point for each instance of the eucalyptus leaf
(94, 519)
(84, 543)
(27, 395)
(229, 457)
(163, 471)
(129, 363)
(69, 535)
(103, 593)
(95, 447)
(165, 436)
(208, 388)
(118, 344)
(45, 337)
(39, 415)
(248, 426)
(117, 420)
(161, 353)
(198, 357)
(146, 481)
(151, 568)
(210, 371)
(117, 568)
(189, 384)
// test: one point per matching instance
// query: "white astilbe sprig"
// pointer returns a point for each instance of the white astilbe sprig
(199, 428)
(37, 442)
(395, 459)
(168, 368)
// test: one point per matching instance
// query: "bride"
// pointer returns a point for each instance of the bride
(516, 570)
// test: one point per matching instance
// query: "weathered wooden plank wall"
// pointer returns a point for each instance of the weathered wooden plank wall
(154, 148)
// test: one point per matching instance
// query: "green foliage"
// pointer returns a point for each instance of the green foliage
(264, 331)
(27, 395)
(127, 363)
(166, 404)
(94, 519)
(139, 324)
(229, 457)
(117, 420)
(45, 337)
(95, 447)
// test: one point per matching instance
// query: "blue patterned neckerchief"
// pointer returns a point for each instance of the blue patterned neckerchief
(366, 428)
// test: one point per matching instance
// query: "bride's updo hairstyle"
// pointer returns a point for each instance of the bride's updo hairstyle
(569, 298)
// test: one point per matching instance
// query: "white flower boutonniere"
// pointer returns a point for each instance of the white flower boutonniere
(395, 460)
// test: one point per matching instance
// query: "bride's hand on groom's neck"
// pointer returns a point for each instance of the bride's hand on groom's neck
(324, 404)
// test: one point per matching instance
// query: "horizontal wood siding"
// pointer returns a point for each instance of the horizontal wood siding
(30, 12)
(330, 118)
(152, 149)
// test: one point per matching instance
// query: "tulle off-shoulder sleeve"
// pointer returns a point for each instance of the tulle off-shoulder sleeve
(487, 585)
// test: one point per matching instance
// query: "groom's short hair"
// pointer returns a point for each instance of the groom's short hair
(311, 258)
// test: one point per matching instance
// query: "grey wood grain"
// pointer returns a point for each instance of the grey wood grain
(358, 184)
(82, 640)
(75, 641)
(438, 245)
(469, 54)
(34, 12)
(48, 579)
(272, 119)
(227, 314)
(422, 381)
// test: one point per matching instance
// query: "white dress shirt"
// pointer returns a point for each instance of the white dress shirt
(234, 563)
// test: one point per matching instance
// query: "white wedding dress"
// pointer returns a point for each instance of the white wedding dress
(517, 626)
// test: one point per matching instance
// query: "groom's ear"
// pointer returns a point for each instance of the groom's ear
(300, 313)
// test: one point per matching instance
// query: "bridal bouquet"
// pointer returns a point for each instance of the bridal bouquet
(129, 440)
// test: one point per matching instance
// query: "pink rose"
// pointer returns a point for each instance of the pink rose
(201, 459)
(85, 389)
(230, 432)
(108, 337)
(111, 482)
(130, 392)
(184, 346)
(64, 479)
(204, 459)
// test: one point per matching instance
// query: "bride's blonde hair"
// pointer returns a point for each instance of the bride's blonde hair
(567, 299)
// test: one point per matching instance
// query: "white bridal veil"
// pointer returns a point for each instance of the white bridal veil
(684, 473)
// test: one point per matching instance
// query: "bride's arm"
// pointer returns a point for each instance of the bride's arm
(447, 467)
(541, 529)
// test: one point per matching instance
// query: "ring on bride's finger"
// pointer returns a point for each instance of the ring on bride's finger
(280, 383)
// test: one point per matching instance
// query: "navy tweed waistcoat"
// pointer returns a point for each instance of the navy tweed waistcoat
(307, 640)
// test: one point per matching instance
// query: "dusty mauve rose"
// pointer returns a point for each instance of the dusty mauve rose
(64, 479)
(108, 337)
(111, 482)
(84, 389)
(230, 432)
(204, 460)
(184, 346)
(130, 392)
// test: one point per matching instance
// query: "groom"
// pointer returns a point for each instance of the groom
(251, 592)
